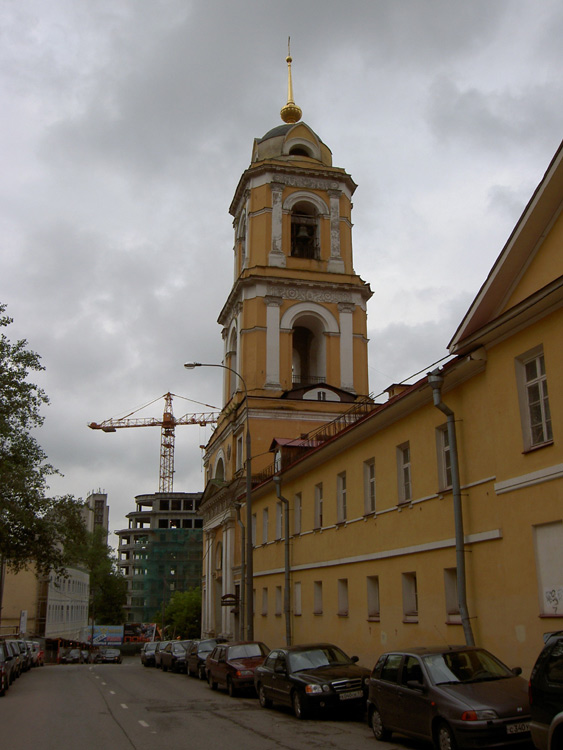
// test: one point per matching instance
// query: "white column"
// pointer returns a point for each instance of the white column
(346, 311)
(209, 604)
(228, 588)
(273, 305)
(276, 256)
(335, 264)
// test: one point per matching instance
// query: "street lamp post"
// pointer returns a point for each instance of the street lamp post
(249, 560)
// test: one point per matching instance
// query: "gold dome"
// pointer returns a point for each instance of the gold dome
(290, 112)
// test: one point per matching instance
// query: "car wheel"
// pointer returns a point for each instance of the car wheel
(445, 739)
(379, 731)
(164, 668)
(264, 701)
(231, 689)
(201, 673)
(299, 705)
(211, 681)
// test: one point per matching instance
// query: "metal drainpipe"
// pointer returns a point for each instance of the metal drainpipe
(436, 380)
(286, 599)
(242, 570)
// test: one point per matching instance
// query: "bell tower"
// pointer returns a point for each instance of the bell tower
(294, 329)
(296, 315)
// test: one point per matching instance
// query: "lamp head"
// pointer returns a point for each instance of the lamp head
(192, 365)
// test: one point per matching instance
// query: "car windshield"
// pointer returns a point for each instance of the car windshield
(111, 652)
(320, 656)
(247, 651)
(453, 667)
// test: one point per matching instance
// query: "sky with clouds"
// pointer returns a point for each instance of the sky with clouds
(126, 125)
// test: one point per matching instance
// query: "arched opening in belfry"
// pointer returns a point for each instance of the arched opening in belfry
(308, 359)
(305, 231)
(232, 362)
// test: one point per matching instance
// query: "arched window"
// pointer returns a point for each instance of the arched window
(232, 363)
(220, 470)
(308, 351)
(305, 231)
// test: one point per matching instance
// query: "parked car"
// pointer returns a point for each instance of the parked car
(458, 696)
(37, 655)
(108, 656)
(232, 665)
(545, 691)
(160, 646)
(198, 653)
(25, 651)
(71, 656)
(14, 649)
(173, 656)
(6, 661)
(147, 653)
(311, 677)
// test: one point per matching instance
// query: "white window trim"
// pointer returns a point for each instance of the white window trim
(522, 385)
(369, 487)
(404, 475)
(341, 498)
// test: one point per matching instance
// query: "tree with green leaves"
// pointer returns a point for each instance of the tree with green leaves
(108, 588)
(182, 616)
(34, 529)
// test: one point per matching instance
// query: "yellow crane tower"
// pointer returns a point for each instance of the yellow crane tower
(167, 423)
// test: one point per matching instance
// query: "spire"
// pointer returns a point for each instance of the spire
(290, 113)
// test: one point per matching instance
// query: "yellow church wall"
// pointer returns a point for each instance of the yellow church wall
(259, 235)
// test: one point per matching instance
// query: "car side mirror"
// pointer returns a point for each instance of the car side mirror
(355, 659)
(516, 671)
(279, 670)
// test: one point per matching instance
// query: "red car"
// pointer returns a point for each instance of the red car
(232, 665)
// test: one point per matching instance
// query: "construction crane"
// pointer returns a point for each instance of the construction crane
(167, 423)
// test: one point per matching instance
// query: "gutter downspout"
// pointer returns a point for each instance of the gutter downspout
(286, 598)
(436, 380)
(241, 603)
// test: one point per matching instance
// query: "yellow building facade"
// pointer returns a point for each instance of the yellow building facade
(375, 551)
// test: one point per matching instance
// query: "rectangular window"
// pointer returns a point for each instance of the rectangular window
(341, 510)
(373, 597)
(450, 590)
(534, 403)
(319, 506)
(265, 601)
(239, 451)
(548, 544)
(279, 600)
(297, 598)
(265, 526)
(404, 472)
(343, 597)
(369, 486)
(297, 513)
(410, 598)
(279, 520)
(444, 458)
(318, 598)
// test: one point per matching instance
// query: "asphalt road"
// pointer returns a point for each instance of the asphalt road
(128, 707)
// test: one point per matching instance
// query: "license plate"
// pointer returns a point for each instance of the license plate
(351, 694)
(522, 726)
